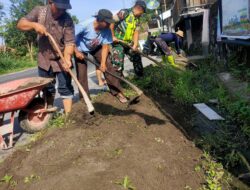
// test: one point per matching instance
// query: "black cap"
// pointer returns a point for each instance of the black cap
(141, 4)
(62, 4)
(105, 15)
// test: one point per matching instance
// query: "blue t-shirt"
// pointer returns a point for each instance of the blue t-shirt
(87, 39)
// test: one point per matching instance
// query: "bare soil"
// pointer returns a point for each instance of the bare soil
(96, 153)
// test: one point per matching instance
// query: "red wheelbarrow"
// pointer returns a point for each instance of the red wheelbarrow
(34, 113)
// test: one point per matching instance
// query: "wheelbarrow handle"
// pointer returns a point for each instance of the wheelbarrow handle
(85, 96)
(135, 88)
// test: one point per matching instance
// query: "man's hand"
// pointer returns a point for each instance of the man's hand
(103, 67)
(116, 40)
(135, 48)
(180, 55)
(79, 55)
(67, 66)
(39, 28)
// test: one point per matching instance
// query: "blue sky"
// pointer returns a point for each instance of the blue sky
(84, 9)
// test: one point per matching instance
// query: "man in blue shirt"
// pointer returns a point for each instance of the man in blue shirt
(95, 38)
(165, 39)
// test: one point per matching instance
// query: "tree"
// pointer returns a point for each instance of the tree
(75, 19)
(23, 42)
(1, 11)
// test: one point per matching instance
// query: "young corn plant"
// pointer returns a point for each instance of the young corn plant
(126, 183)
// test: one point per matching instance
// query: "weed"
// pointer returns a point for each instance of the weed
(129, 93)
(115, 153)
(159, 140)
(31, 179)
(118, 151)
(58, 121)
(28, 148)
(215, 176)
(37, 136)
(8, 179)
(187, 187)
(126, 183)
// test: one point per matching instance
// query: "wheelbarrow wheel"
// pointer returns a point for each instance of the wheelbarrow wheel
(33, 122)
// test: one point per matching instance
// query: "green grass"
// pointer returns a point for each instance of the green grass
(10, 63)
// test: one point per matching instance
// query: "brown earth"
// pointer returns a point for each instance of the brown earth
(139, 142)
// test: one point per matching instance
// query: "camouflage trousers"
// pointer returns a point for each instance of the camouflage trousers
(118, 53)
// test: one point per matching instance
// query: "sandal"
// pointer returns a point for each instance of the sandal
(122, 99)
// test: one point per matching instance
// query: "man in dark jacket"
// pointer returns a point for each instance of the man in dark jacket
(165, 39)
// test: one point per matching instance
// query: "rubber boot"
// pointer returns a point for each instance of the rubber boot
(171, 60)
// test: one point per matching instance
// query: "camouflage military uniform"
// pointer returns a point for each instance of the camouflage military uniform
(118, 53)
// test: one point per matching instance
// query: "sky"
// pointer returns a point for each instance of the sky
(84, 9)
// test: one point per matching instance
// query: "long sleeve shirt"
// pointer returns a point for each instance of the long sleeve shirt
(172, 37)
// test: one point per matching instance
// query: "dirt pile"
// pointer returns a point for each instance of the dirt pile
(95, 154)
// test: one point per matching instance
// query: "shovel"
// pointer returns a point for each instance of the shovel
(135, 88)
(90, 106)
(182, 58)
(141, 53)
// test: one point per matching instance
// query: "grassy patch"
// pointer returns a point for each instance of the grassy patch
(185, 87)
(10, 63)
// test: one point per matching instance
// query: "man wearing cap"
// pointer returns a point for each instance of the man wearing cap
(126, 28)
(54, 20)
(94, 37)
(165, 39)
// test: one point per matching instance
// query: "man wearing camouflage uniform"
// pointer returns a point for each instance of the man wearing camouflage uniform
(126, 29)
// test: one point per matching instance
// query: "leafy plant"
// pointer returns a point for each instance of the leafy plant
(58, 121)
(129, 93)
(115, 153)
(215, 176)
(31, 178)
(35, 137)
(8, 179)
(126, 183)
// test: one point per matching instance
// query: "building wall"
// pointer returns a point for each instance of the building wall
(182, 5)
